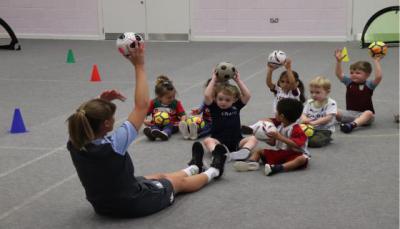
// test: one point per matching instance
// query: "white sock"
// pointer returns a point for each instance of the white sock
(241, 154)
(191, 170)
(211, 173)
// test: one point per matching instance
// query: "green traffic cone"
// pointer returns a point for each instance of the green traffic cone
(70, 57)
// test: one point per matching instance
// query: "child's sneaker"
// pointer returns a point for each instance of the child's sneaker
(197, 155)
(270, 170)
(240, 155)
(219, 158)
(244, 166)
(149, 135)
(246, 129)
(193, 131)
(346, 127)
(159, 134)
(183, 128)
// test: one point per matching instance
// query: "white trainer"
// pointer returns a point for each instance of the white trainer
(244, 166)
(183, 128)
(193, 131)
(267, 170)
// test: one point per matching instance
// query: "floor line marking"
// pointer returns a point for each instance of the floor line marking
(26, 148)
(45, 191)
(36, 196)
(31, 161)
(366, 136)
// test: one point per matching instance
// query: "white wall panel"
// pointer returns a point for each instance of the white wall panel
(124, 16)
(52, 18)
(223, 19)
(251, 19)
(170, 16)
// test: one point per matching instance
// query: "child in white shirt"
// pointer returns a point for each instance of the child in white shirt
(320, 112)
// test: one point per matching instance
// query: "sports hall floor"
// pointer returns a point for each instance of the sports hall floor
(352, 183)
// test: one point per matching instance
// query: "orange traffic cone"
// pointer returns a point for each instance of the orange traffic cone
(95, 74)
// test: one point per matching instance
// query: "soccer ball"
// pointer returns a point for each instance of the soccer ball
(307, 129)
(277, 58)
(161, 118)
(225, 71)
(126, 40)
(262, 128)
(377, 48)
(197, 120)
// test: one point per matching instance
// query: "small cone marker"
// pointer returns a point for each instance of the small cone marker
(70, 57)
(95, 74)
(17, 125)
(345, 54)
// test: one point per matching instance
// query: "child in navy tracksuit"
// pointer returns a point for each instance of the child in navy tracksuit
(225, 102)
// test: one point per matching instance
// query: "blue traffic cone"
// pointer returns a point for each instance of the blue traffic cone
(17, 125)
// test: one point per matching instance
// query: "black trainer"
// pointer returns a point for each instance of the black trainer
(346, 127)
(149, 135)
(270, 170)
(197, 156)
(219, 159)
(159, 134)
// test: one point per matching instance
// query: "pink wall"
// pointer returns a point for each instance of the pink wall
(251, 18)
(51, 17)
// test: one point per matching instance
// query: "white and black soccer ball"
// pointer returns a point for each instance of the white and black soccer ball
(126, 40)
(277, 58)
(225, 71)
(262, 128)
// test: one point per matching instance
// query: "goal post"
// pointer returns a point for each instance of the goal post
(382, 26)
(14, 44)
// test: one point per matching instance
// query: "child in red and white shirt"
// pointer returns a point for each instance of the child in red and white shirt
(288, 86)
(290, 143)
(165, 101)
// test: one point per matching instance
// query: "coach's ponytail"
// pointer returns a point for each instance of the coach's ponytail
(84, 124)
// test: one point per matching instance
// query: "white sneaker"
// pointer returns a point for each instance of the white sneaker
(183, 128)
(193, 131)
(267, 170)
(241, 154)
(243, 166)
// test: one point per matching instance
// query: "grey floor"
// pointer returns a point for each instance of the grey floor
(353, 183)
